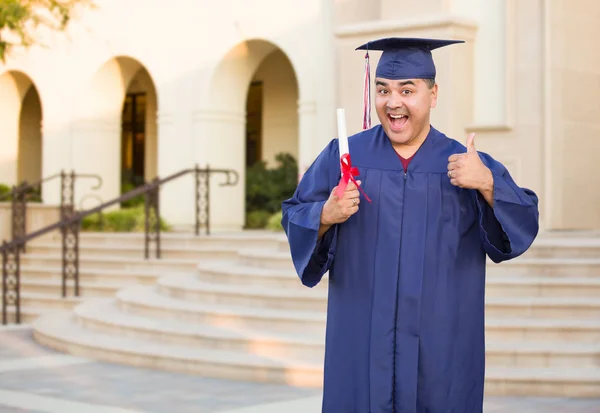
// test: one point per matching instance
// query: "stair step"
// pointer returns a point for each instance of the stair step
(543, 307)
(105, 316)
(507, 286)
(542, 382)
(538, 329)
(259, 239)
(147, 301)
(554, 267)
(188, 287)
(266, 259)
(152, 265)
(542, 354)
(196, 252)
(560, 246)
(62, 333)
(125, 276)
(227, 272)
(50, 302)
(53, 287)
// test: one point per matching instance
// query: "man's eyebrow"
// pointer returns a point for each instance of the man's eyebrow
(407, 82)
(404, 83)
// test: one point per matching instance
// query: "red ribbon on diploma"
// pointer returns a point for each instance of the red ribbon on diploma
(348, 174)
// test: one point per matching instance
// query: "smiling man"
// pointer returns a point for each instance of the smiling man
(405, 321)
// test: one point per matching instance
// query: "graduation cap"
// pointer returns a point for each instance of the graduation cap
(402, 58)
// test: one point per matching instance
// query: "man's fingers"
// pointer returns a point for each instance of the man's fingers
(471, 143)
(456, 157)
(453, 165)
(351, 194)
(351, 186)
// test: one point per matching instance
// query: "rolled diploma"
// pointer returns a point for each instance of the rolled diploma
(342, 135)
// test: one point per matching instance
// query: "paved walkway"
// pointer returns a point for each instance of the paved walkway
(34, 379)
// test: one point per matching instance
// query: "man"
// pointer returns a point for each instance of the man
(405, 325)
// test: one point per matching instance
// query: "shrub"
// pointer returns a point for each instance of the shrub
(267, 188)
(274, 223)
(257, 219)
(5, 190)
(133, 202)
(121, 220)
(33, 195)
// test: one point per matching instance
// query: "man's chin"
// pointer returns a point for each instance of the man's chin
(400, 137)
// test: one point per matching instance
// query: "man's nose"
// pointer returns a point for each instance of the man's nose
(395, 101)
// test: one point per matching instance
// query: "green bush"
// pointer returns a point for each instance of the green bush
(5, 190)
(133, 202)
(121, 220)
(257, 219)
(34, 195)
(274, 223)
(266, 188)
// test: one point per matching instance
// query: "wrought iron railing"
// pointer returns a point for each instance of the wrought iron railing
(20, 194)
(70, 223)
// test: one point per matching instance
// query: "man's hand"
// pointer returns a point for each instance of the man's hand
(337, 210)
(466, 170)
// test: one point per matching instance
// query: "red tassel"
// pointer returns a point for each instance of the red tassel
(367, 95)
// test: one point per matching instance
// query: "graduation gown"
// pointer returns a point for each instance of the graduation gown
(405, 315)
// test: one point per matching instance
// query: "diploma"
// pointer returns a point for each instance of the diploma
(342, 135)
(347, 171)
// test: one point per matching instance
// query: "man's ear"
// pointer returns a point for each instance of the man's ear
(434, 95)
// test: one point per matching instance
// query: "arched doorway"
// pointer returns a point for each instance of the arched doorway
(138, 132)
(272, 110)
(21, 137)
(116, 133)
(253, 117)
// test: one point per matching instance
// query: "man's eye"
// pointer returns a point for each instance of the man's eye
(383, 92)
(406, 92)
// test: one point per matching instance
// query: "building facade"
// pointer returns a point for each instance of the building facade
(145, 88)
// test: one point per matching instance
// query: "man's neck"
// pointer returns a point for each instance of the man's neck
(408, 149)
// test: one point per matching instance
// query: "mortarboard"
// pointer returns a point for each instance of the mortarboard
(402, 58)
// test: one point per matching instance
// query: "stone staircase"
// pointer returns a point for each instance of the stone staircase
(231, 306)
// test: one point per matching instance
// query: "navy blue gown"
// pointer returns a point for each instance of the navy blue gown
(405, 317)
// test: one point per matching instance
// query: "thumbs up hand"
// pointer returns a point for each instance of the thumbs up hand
(466, 170)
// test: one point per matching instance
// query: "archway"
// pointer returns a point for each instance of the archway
(116, 132)
(272, 110)
(253, 117)
(21, 137)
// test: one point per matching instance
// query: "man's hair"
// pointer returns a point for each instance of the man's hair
(430, 83)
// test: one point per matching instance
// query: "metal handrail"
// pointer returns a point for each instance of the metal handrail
(19, 198)
(25, 187)
(70, 222)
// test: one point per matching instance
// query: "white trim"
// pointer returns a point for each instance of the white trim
(429, 22)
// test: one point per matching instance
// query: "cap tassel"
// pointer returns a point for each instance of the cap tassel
(367, 94)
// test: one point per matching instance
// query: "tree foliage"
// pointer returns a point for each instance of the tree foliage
(19, 20)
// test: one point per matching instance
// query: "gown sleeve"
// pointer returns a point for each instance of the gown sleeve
(509, 228)
(301, 218)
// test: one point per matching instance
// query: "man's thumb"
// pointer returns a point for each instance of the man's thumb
(471, 143)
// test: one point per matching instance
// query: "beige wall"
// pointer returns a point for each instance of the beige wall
(30, 138)
(394, 9)
(280, 106)
(575, 114)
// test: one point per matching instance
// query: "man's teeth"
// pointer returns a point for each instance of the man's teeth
(397, 116)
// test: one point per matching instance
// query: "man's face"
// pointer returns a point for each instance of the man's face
(403, 107)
